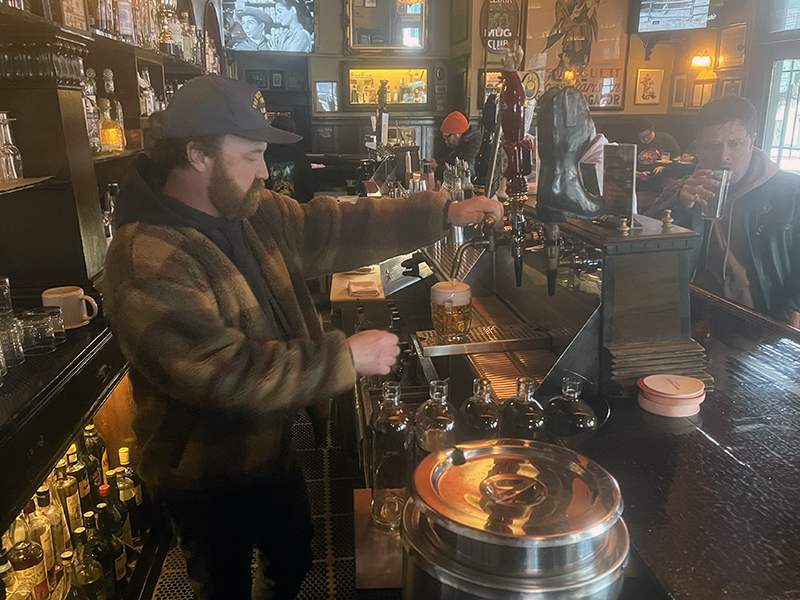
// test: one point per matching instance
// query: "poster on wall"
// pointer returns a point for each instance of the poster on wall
(580, 43)
(277, 26)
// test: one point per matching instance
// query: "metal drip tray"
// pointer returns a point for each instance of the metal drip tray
(494, 338)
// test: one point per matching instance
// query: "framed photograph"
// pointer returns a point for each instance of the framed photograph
(256, 78)
(732, 45)
(490, 82)
(648, 86)
(370, 3)
(459, 21)
(679, 85)
(327, 99)
(732, 87)
(701, 94)
(276, 80)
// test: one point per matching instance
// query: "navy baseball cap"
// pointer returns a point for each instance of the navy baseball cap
(216, 105)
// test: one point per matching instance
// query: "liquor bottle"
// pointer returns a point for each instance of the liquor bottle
(125, 463)
(392, 457)
(436, 428)
(58, 521)
(73, 589)
(10, 156)
(27, 559)
(176, 32)
(567, 415)
(88, 571)
(69, 496)
(127, 493)
(362, 324)
(41, 533)
(93, 471)
(522, 415)
(9, 584)
(116, 545)
(114, 103)
(109, 202)
(195, 57)
(100, 551)
(106, 18)
(124, 22)
(480, 416)
(96, 445)
(117, 511)
(186, 37)
(466, 181)
(112, 138)
(90, 110)
(77, 469)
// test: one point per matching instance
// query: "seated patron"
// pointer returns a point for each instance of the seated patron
(463, 141)
(750, 255)
(655, 149)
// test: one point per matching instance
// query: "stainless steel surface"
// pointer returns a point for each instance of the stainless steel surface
(516, 493)
(427, 364)
(493, 338)
(429, 574)
(440, 257)
(503, 368)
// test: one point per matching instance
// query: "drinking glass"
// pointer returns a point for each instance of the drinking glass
(56, 317)
(451, 310)
(5, 293)
(37, 334)
(352, 187)
(714, 206)
(11, 338)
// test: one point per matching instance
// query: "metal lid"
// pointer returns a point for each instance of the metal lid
(517, 492)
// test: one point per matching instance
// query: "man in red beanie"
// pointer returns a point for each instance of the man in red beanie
(463, 141)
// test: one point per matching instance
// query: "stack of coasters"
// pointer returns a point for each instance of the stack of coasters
(671, 395)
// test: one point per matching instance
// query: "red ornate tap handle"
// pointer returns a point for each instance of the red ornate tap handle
(518, 149)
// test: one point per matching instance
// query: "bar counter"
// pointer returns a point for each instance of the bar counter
(713, 501)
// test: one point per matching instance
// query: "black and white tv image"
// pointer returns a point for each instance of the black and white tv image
(674, 15)
(276, 26)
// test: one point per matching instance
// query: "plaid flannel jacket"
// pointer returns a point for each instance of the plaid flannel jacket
(214, 385)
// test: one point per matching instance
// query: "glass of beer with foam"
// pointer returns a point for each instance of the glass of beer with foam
(451, 310)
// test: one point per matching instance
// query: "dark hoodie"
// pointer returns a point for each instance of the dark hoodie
(467, 150)
(142, 199)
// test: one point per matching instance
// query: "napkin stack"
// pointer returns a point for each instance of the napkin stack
(363, 289)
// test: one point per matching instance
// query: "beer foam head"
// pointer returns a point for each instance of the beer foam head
(449, 293)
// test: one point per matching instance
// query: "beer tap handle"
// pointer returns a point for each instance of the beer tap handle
(552, 246)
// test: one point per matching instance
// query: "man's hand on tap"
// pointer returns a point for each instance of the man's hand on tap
(474, 210)
(374, 352)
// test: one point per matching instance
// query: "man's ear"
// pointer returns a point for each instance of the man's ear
(198, 160)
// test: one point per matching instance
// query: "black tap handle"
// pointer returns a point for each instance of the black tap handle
(411, 265)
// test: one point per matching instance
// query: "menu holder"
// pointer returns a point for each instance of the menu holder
(619, 183)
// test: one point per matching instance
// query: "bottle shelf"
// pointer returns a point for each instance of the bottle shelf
(107, 156)
(20, 184)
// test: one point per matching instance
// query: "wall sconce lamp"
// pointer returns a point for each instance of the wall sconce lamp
(701, 61)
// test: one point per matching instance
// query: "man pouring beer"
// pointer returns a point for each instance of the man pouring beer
(205, 291)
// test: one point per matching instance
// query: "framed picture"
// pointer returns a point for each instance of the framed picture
(74, 14)
(256, 78)
(702, 93)
(327, 99)
(648, 86)
(276, 80)
(370, 3)
(732, 45)
(459, 21)
(490, 82)
(732, 87)
(679, 85)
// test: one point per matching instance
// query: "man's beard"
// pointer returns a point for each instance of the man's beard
(228, 199)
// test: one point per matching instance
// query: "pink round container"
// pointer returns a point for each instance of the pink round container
(672, 386)
(668, 410)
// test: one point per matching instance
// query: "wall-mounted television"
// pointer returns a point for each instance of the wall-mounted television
(271, 25)
(671, 15)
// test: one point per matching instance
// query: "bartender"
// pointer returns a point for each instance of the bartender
(463, 141)
(205, 290)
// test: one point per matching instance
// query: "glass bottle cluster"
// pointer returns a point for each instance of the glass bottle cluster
(78, 538)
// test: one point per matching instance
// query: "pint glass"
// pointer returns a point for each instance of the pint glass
(451, 310)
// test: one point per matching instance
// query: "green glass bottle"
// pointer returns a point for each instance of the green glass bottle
(88, 571)
(73, 589)
(116, 545)
(101, 552)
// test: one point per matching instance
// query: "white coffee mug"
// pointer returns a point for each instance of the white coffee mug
(72, 301)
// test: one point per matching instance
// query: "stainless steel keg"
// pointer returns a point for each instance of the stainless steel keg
(513, 519)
